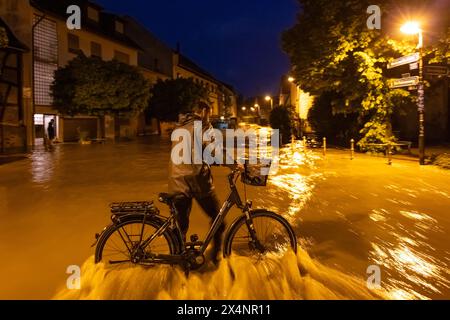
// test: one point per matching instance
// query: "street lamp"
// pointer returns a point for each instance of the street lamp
(412, 28)
(291, 79)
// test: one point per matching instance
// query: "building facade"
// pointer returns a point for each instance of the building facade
(292, 95)
(12, 112)
(48, 43)
(42, 26)
(221, 96)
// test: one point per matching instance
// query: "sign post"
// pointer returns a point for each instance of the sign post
(404, 60)
(415, 61)
(421, 105)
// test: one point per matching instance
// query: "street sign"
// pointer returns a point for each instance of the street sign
(404, 60)
(436, 70)
(403, 82)
(414, 66)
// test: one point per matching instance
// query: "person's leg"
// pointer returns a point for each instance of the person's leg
(183, 206)
(211, 205)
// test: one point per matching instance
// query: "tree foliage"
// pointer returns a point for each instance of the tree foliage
(339, 128)
(89, 85)
(442, 49)
(281, 118)
(332, 50)
(169, 98)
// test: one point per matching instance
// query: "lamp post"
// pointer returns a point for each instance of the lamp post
(269, 98)
(412, 28)
(244, 110)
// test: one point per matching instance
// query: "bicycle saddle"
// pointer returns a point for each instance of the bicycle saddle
(169, 198)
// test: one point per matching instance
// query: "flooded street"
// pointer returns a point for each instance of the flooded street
(348, 215)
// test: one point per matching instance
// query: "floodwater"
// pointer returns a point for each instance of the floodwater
(349, 216)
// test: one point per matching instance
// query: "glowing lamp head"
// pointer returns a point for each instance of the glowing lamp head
(411, 27)
(291, 79)
(253, 109)
(268, 98)
(244, 108)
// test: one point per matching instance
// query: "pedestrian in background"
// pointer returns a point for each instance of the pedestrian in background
(51, 134)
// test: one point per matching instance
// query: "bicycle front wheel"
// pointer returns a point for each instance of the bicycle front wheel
(273, 234)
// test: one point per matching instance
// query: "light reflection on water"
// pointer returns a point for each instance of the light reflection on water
(412, 269)
(402, 237)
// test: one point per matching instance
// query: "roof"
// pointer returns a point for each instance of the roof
(105, 27)
(188, 64)
(13, 42)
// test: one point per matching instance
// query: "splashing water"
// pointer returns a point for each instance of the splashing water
(289, 277)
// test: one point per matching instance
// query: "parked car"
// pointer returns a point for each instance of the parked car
(313, 140)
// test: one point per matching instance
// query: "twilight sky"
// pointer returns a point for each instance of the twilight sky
(238, 41)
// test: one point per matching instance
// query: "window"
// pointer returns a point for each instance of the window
(96, 49)
(93, 14)
(43, 78)
(74, 43)
(45, 42)
(122, 57)
(119, 26)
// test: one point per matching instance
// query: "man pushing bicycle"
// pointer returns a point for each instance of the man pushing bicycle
(193, 180)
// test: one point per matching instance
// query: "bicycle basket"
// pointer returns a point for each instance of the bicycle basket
(256, 174)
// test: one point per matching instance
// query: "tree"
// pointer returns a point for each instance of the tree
(332, 50)
(281, 119)
(3, 38)
(96, 87)
(169, 98)
(338, 128)
(442, 49)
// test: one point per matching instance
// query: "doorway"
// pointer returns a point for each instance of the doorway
(41, 122)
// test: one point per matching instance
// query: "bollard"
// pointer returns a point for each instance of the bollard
(304, 144)
(389, 154)
(324, 146)
(352, 149)
(292, 143)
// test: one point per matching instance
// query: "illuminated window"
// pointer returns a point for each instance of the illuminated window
(93, 14)
(119, 26)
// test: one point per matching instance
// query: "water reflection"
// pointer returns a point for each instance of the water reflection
(409, 261)
(43, 165)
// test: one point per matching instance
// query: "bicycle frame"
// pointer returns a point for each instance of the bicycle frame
(233, 199)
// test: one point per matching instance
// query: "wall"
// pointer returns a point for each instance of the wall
(18, 15)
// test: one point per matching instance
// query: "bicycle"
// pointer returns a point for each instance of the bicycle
(149, 239)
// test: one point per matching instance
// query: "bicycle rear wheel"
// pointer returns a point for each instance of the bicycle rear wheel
(273, 235)
(118, 245)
